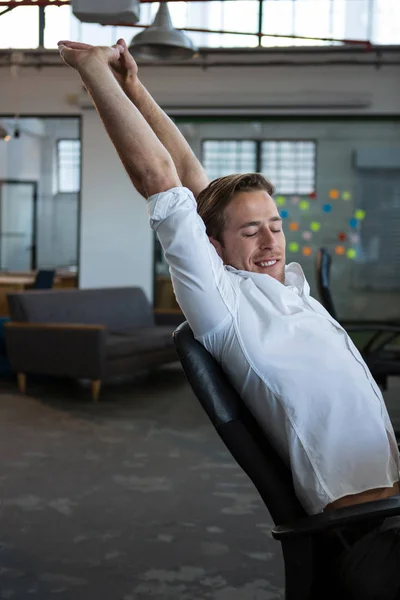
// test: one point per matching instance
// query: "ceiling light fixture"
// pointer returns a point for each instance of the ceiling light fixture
(161, 41)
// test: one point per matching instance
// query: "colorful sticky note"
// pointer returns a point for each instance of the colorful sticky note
(327, 208)
(346, 195)
(284, 214)
(295, 200)
(304, 205)
(353, 223)
(334, 194)
(315, 226)
(360, 214)
(342, 237)
(280, 200)
(306, 235)
(340, 250)
(293, 247)
(354, 238)
(351, 253)
(307, 251)
(313, 195)
(293, 226)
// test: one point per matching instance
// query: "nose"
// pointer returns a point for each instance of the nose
(268, 239)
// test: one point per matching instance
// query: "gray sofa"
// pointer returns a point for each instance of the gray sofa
(89, 334)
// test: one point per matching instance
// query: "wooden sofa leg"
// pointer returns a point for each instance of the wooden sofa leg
(21, 382)
(95, 387)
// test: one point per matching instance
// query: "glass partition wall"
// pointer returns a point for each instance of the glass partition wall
(337, 184)
(40, 175)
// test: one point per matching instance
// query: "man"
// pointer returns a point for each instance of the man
(294, 366)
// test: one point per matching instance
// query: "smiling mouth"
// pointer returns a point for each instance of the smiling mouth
(267, 263)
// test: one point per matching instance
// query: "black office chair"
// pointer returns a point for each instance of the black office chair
(44, 279)
(374, 339)
(308, 555)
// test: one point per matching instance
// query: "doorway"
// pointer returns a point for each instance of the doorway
(18, 201)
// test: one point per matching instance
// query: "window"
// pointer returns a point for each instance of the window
(68, 166)
(224, 157)
(289, 165)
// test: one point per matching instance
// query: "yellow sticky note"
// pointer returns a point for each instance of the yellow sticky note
(346, 195)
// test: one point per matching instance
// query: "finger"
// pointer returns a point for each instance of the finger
(66, 53)
(122, 43)
(75, 45)
(119, 48)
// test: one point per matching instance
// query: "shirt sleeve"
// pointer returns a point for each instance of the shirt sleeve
(201, 284)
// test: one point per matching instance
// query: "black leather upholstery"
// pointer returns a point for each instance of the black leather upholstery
(238, 428)
(324, 261)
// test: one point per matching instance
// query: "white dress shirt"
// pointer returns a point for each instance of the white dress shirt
(295, 367)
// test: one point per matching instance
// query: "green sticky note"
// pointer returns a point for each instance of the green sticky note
(293, 247)
(315, 226)
(304, 205)
(346, 195)
(281, 200)
(360, 214)
(351, 253)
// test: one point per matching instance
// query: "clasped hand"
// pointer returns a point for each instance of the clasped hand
(80, 56)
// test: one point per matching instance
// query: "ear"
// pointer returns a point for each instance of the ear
(217, 245)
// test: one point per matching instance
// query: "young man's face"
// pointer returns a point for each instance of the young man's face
(253, 239)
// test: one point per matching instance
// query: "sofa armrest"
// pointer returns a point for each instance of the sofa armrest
(65, 349)
(331, 519)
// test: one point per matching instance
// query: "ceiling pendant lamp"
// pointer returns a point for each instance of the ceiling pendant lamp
(161, 41)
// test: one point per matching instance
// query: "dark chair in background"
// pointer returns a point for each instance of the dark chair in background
(308, 555)
(44, 280)
(375, 340)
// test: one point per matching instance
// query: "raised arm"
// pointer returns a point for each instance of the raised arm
(190, 171)
(147, 162)
(125, 70)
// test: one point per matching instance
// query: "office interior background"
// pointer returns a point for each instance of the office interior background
(306, 92)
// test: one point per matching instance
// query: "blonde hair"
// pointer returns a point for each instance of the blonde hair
(212, 201)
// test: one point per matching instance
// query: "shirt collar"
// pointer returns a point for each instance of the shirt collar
(294, 277)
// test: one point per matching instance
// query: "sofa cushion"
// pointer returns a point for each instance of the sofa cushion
(118, 309)
(143, 340)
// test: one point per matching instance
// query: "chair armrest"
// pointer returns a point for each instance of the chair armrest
(65, 349)
(378, 509)
(383, 333)
(172, 316)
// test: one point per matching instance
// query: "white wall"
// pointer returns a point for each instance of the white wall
(116, 242)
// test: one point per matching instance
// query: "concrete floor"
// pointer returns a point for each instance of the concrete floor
(133, 498)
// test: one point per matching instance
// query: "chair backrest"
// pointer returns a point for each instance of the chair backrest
(44, 279)
(238, 429)
(323, 268)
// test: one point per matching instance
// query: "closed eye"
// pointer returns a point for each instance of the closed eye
(250, 234)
